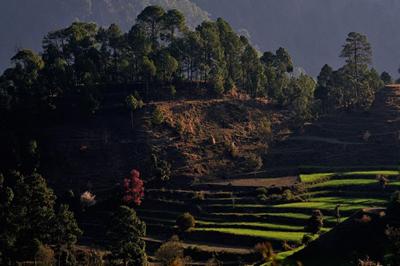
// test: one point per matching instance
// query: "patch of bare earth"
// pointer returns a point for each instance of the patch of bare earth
(215, 138)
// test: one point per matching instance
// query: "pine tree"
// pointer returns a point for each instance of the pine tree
(125, 237)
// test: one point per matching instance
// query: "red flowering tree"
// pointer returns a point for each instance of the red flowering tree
(133, 188)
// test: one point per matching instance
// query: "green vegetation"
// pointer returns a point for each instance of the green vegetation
(353, 86)
(315, 177)
(29, 219)
(272, 235)
(125, 234)
(344, 183)
(311, 178)
(373, 173)
(185, 222)
(267, 226)
(319, 205)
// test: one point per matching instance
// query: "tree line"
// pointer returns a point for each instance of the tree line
(160, 50)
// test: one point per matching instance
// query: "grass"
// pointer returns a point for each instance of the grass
(381, 172)
(267, 226)
(316, 177)
(271, 235)
(337, 183)
(344, 200)
(326, 191)
(324, 206)
(311, 178)
(283, 255)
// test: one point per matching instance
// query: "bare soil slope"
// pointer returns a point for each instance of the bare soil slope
(215, 138)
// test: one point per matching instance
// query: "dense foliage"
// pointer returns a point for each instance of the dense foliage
(133, 188)
(354, 85)
(29, 218)
(125, 236)
(26, 26)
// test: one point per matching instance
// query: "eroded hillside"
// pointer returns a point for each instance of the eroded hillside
(215, 138)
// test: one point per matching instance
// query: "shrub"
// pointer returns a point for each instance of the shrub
(89, 257)
(88, 199)
(157, 117)
(383, 181)
(262, 197)
(262, 190)
(266, 251)
(133, 103)
(198, 196)
(315, 222)
(262, 194)
(232, 149)
(288, 196)
(44, 256)
(185, 222)
(160, 168)
(254, 162)
(170, 252)
(265, 129)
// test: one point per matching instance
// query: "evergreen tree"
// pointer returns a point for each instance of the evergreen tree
(358, 54)
(151, 18)
(212, 53)
(386, 78)
(125, 236)
(276, 69)
(173, 21)
(253, 72)
(27, 215)
(324, 86)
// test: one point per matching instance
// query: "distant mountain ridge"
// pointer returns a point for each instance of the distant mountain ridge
(314, 30)
(23, 23)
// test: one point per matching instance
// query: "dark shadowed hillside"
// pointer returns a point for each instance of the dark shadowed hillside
(25, 27)
(314, 30)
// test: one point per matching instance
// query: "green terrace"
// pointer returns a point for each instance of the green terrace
(237, 217)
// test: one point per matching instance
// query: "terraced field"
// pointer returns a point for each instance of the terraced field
(230, 220)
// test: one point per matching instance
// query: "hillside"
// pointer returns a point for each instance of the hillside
(361, 235)
(25, 27)
(216, 138)
(200, 138)
(347, 139)
(208, 139)
(314, 30)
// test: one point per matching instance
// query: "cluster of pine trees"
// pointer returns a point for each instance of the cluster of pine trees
(158, 50)
(354, 85)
